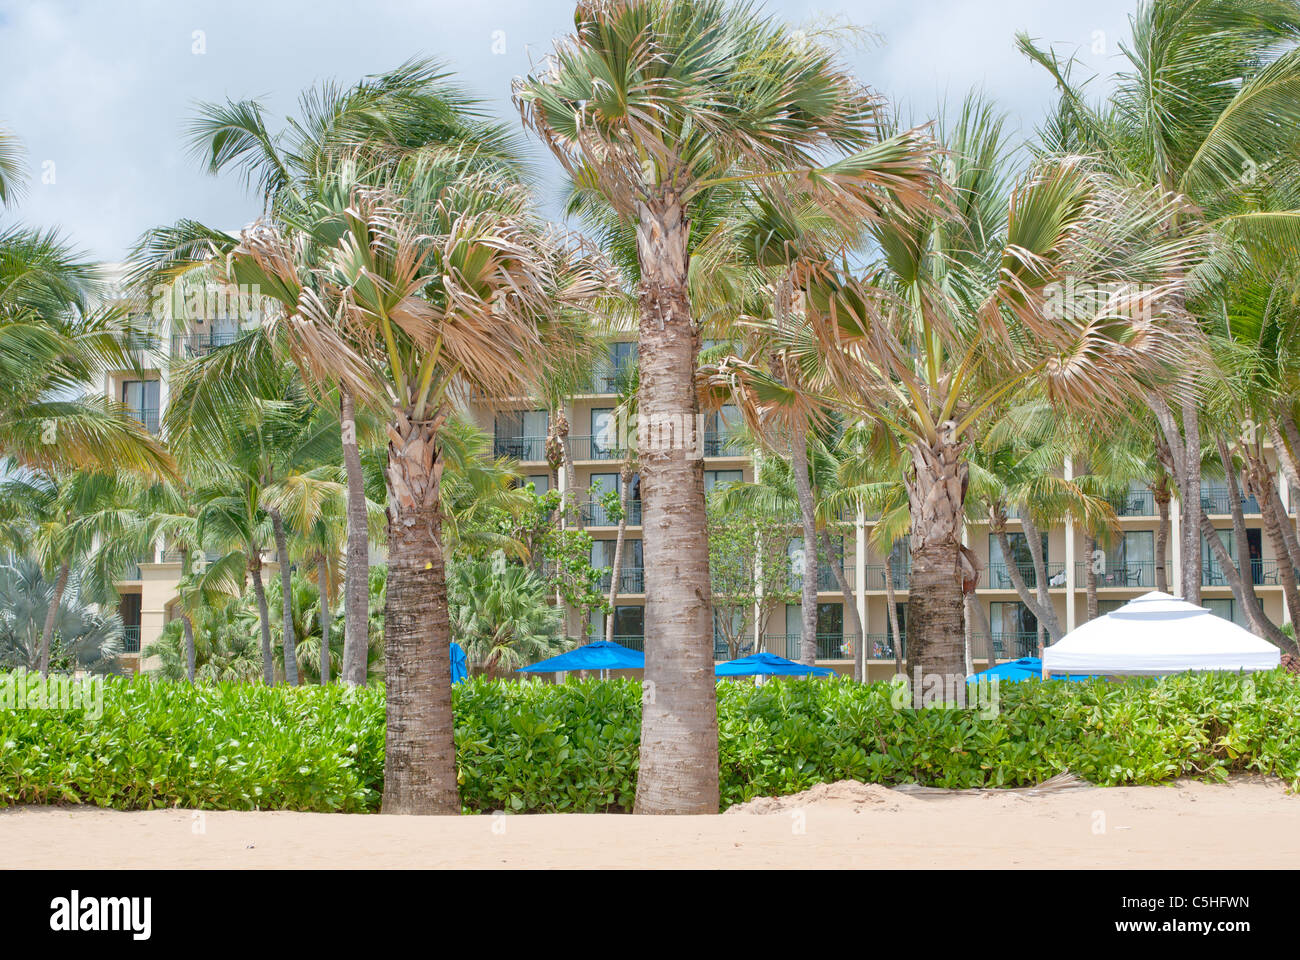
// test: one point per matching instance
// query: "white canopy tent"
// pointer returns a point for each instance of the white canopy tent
(1158, 634)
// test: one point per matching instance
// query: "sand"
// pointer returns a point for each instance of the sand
(1244, 823)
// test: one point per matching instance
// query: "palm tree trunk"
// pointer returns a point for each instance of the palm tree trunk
(322, 584)
(1190, 561)
(1259, 624)
(356, 576)
(420, 751)
(263, 615)
(808, 521)
(1162, 496)
(897, 638)
(286, 592)
(1238, 517)
(1184, 451)
(1035, 542)
(187, 625)
(616, 576)
(1029, 599)
(1090, 575)
(47, 631)
(976, 609)
(850, 602)
(679, 715)
(935, 604)
(1260, 483)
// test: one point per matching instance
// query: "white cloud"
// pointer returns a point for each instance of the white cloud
(104, 90)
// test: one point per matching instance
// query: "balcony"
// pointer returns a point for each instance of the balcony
(606, 377)
(1263, 573)
(998, 576)
(830, 646)
(596, 448)
(595, 515)
(1218, 500)
(1127, 574)
(632, 580)
(880, 646)
(876, 576)
(721, 443)
(147, 416)
(826, 582)
(1006, 646)
(190, 345)
(1135, 503)
(631, 642)
(722, 652)
(131, 638)
(527, 449)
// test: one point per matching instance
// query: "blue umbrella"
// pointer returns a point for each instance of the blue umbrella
(600, 655)
(768, 665)
(1013, 671)
(459, 666)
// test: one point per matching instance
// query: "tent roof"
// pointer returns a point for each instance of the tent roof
(1157, 634)
(600, 655)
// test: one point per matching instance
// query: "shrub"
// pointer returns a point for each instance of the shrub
(573, 747)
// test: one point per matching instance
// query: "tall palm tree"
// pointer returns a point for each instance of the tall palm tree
(958, 316)
(1209, 109)
(652, 102)
(446, 282)
(372, 124)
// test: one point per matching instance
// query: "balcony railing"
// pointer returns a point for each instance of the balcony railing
(876, 576)
(1218, 500)
(636, 642)
(722, 443)
(723, 652)
(131, 638)
(605, 377)
(880, 646)
(1129, 573)
(1006, 646)
(632, 580)
(998, 575)
(520, 448)
(830, 646)
(826, 582)
(1135, 503)
(146, 415)
(596, 448)
(1263, 573)
(190, 345)
(595, 515)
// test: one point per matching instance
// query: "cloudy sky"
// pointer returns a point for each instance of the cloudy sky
(100, 90)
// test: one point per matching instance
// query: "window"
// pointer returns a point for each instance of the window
(142, 397)
(1227, 609)
(998, 574)
(1012, 618)
(602, 484)
(1133, 563)
(541, 482)
(713, 478)
(521, 434)
(719, 428)
(604, 441)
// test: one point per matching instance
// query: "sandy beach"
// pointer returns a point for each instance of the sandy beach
(1245, 823)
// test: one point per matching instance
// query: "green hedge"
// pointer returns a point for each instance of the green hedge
(534, 747)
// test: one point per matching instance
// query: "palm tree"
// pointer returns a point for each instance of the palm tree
(87, 639)
(446, 282)
(652, 103)
(1209, 110)
(1013, 471)
(12, 168)
(501, 614)
(370, 125)
(74, 522)
(958, 316)
(247, 437)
